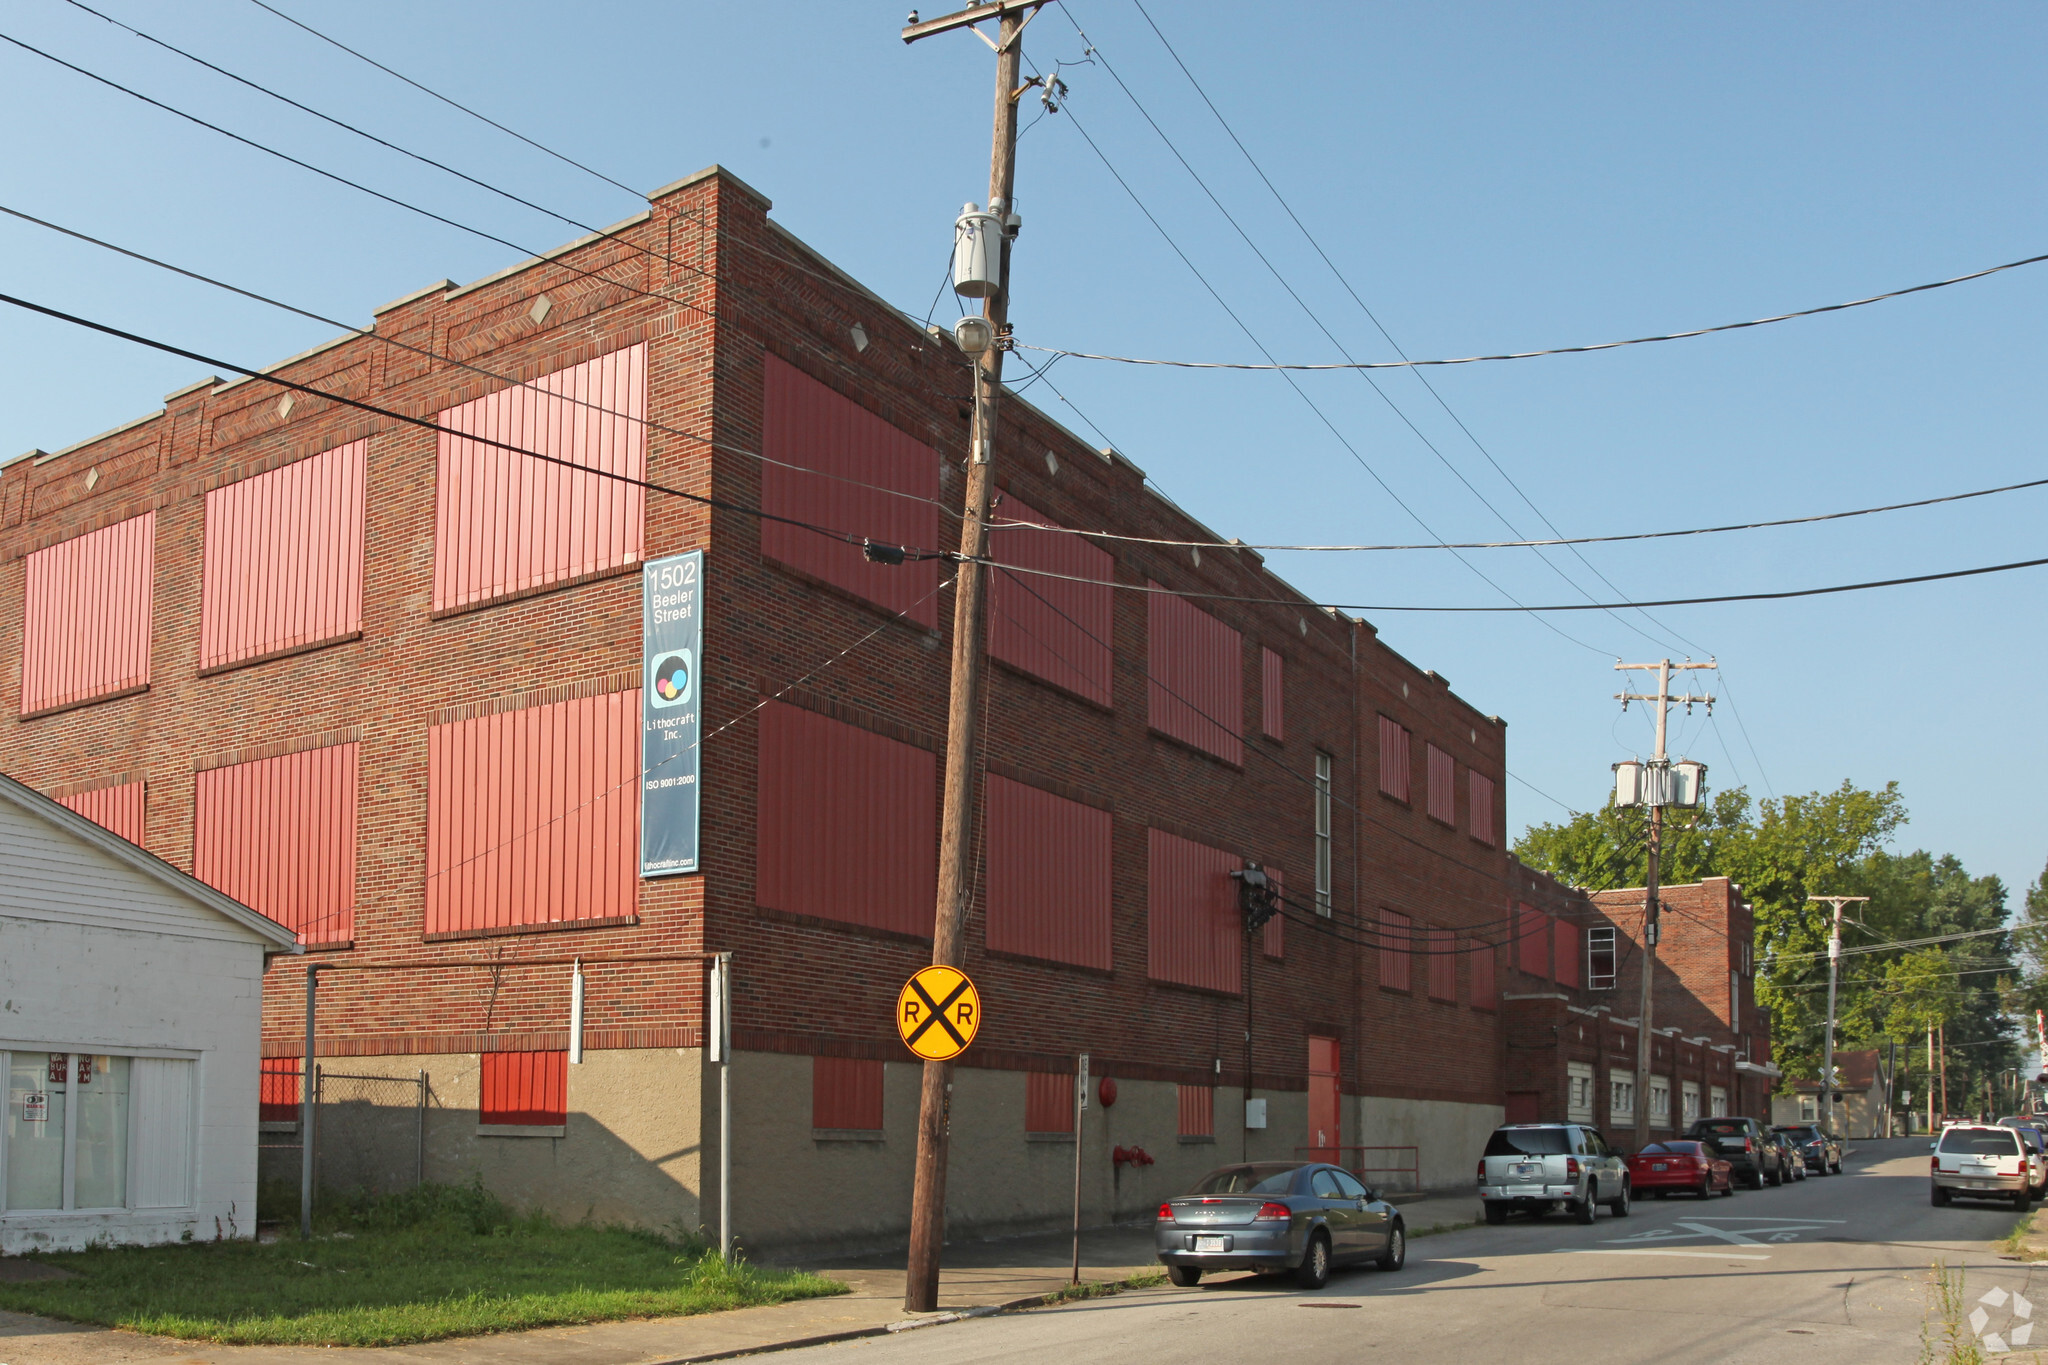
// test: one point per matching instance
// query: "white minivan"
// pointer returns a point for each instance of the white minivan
(1982, 1162)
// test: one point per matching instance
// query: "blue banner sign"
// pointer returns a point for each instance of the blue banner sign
(671, 726)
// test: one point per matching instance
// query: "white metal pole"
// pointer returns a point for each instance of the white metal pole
(1080, 1112)
(723, 1006)
(576, 1015)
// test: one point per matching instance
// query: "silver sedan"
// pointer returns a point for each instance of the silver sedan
(1273, 1216)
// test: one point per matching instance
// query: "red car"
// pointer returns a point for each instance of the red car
(1681, 1167)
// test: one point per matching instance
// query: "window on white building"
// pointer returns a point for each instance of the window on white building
(1600, 958)
(79, 1125)
(1689, 1101)
(1621, 1101)
(1322, 834)
(1809, 1109)
(1717, 1103)
(1578, 1095)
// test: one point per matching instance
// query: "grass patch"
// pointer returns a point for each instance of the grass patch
(438, 1261)
(1102, 1289)
(2015, 1243)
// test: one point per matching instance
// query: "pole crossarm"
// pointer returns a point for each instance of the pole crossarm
(972, 15)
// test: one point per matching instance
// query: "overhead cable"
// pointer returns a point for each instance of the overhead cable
(1554, 350)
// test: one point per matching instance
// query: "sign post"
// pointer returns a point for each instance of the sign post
(1080, 1112)
(671, 714)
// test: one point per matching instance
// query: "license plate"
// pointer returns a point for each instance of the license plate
(1212, 1244)
(1525, 1168)
(1660, 1166)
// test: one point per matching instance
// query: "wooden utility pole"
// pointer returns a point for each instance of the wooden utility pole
(1827, 1061)
(1659, 793)
(928, 1199)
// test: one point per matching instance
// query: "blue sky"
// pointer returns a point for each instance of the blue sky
(1487, 178)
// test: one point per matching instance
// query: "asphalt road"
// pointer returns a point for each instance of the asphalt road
(1832, 1269)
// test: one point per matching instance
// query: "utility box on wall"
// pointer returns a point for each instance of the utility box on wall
(1255, 1113)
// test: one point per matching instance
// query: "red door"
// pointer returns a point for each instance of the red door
(1325, 1116)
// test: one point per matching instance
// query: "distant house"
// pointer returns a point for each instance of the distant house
(130, 1033)
(1860, 1082)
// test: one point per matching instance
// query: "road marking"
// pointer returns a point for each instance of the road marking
(1662, 1251)
(1739, 1218)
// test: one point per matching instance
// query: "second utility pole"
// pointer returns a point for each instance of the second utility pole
(1827, 1062)
(928, 1197)
(1663, 700)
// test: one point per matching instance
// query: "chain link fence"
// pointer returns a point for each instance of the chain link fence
(369, 1135)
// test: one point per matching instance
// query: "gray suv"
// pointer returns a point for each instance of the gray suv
(1534, 1167)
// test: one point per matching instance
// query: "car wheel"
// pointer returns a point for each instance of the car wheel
(1619, 1205)
(1186, 1276)
(1396, 1254)
(1585, 1210)
(1706, 1189)
(1496, 1214)
(1728, 1190)
(1315, 1263)
(1938, 1197)
(2022, 1201)
(1776, 1177)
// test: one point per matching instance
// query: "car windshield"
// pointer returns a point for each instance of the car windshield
(1667, 1149)
(1802, 1134)
(1981, 1141)
(1529, 1142)
(1261, 1177)
(1724, 1127)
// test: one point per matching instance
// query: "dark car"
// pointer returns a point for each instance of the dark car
(1789, 1156)
(1822, 1149)
(1273, 1216)
(1744, 1145)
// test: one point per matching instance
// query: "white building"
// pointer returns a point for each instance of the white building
(130, 1034)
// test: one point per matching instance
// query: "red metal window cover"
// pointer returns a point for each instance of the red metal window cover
(1193, 925)
(1532, 941)
(279, 1102)
(283, 567)
(1272, 695)
(1479, 798)
(1396, 949)
(1196, 682)
(846, 1093)
(86, 616)
(1569, 954)
(1485, 986)
(1443, 964)
(1443, 786)
(524, 1089)
(279, 835)
(1325, 1099)
(505, 523)
(1273, 937)
(119, 809)
(1048, 875)
(1394, 760)
(830, 462)
(533, 816)
(846, 823)
(1052, 628)
(1048, 1103)
(1198, 1111)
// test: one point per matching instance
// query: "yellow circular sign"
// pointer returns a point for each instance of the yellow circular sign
(937, 1013)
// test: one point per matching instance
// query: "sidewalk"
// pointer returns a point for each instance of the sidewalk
(978, 1277)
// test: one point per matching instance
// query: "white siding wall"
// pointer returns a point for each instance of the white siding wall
(96, 956)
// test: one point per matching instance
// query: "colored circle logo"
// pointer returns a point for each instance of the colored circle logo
(671, 678)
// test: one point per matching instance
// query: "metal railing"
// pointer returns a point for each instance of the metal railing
(1390, 1176)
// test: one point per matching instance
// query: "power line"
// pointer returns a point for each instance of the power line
(435, 94)
(1778, 958)
(1554, 350)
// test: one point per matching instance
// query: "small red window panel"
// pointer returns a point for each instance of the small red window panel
(505, 523)
(119, 809)
(279, 835)
(1195, 665)
(1443, 786)
(281, 1089)
(1443, 964)
(1396, 949)
(1193, 924)
(284, 559)
(1048, 1103)
(1568, 954)
(846, 1092)
(1272, 697)
(86, 616)
(1394, 761)
(525, 1089)
(1532, 941)
(1198, 1111)
(1048, 875)
(1479, 799)
(1485, 987)
(1046, 623)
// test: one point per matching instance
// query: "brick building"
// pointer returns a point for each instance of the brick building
(1571, 1008)
(382, 682)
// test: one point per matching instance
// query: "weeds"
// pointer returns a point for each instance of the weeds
(1102, 1289)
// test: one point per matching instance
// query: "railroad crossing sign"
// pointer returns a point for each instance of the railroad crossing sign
(937, 1013)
